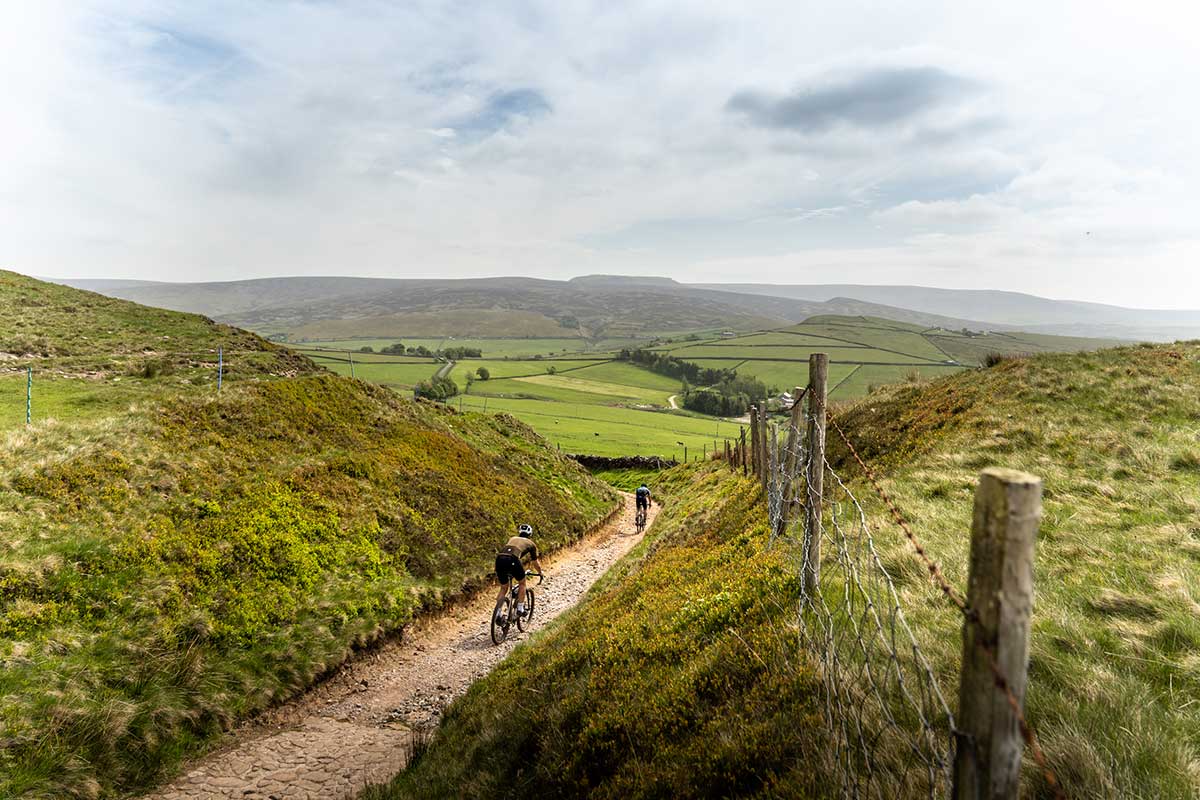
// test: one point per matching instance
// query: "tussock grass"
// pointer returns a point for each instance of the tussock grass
(1114, 677)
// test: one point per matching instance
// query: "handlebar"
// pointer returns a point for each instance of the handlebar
(538, 574)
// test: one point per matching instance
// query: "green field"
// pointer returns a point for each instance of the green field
(492, 348)
(607, 430)
(598, 405)
(514, 368)
(863, 352)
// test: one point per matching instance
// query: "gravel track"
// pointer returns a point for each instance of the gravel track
(354, 729)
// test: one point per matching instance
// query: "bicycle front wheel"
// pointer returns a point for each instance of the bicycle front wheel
(501, 619)
(523, 622)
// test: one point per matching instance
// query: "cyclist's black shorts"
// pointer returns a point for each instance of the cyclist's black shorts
(643, 502)
(509, 567)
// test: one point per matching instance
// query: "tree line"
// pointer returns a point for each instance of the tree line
(708, 390)
(399, 349)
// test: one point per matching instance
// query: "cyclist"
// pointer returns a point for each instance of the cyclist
(643, 498)
(511, 561)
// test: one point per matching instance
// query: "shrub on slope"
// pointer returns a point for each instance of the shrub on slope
(673, 680)
(167, 570)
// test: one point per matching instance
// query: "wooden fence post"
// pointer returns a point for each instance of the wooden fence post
(773, 455)
(1008, 507)
(754, 440)
(789, 469)
(685, 454)
(818, 371)
(764, 467)
(742, 455)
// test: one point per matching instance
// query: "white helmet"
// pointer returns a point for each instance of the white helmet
(524, 530)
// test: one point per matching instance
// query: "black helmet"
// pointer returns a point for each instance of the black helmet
(525, 530)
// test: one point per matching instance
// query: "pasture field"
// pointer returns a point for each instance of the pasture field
(61, 398)
(491, 348)
(609, 430)
(595, 404)
(400, 375)
(516, 368)
(863, 351)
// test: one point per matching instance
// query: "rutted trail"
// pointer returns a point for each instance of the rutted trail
(354, 728)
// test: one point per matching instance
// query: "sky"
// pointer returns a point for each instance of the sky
(1044, 147)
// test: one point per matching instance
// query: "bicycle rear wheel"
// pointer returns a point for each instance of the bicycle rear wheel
(504, 611)
(523, 622)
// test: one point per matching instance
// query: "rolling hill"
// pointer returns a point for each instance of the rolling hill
(174, 558)
(592, 307)
(1005, 309)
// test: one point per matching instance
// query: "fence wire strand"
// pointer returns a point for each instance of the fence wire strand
(885, 711)
(970, 616)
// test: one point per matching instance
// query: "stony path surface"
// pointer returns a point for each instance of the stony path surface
(354, 729)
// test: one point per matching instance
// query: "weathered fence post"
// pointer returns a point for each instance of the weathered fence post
(789, 469)
(29, 395)
(1008, 507)
(742, 455)
(773, 456)
(220, 367)
(351, 357)
(685, 454)
(754, 440)
(818, 370)
(764, 467)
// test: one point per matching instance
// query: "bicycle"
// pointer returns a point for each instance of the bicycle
(639, 521)
(504, 614)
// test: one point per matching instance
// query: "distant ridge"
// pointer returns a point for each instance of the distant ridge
(591, 306)
(1014, 309)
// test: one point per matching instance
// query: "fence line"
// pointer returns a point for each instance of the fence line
(883, 705)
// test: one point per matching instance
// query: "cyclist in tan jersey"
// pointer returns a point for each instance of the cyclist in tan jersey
(511, 561)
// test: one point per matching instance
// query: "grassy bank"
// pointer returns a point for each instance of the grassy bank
(172, 560)
(673, 680)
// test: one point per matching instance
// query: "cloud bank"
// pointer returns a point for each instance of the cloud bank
(955, 144)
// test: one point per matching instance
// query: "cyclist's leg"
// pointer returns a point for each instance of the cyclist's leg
(503, 577)
(517, 569)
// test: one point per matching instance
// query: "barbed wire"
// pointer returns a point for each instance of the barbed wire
(882, 704)
(1002, 682)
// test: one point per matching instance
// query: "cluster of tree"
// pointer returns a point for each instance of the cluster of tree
(437, 388)
(731, 397)
(455, 353)
(452, 353)
(672, 367)
(483, 373)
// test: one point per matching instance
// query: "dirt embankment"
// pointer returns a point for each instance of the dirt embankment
(355, 728)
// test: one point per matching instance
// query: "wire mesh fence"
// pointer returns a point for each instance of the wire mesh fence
(886, 713)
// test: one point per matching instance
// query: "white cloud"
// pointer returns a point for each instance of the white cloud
(220, 140)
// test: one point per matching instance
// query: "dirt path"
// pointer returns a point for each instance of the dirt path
(354, 729)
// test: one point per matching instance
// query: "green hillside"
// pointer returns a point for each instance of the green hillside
(172, 562)
(865, 352)
(681, 676)
(91, 355)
